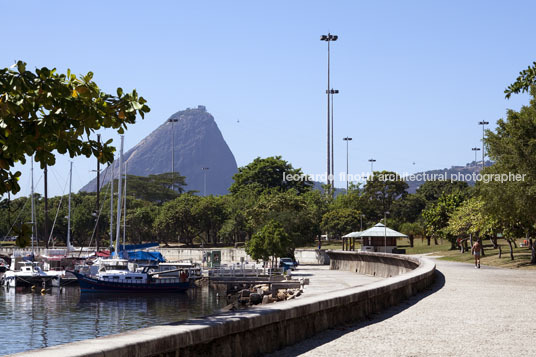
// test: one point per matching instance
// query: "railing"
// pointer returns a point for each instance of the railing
(140, 281)
(242, 271)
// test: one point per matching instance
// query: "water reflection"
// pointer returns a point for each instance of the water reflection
(30, 320)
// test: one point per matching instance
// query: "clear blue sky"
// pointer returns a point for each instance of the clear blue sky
(415, 76)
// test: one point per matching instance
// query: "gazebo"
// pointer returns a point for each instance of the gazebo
(379, 239)
(348, 240)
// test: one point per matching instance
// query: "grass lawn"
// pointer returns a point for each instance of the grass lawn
(521, 255)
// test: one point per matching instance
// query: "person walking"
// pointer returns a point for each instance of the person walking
(476, 250)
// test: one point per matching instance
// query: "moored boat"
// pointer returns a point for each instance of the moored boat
(30, 274)
(114, 276)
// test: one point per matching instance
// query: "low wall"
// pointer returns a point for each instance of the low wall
(233, 255)
(269, 327)
(375, 264)
(228, 255)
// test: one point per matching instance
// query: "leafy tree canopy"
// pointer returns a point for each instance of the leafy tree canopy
(436, 217)
(339, 222)
(270, 241)
(379, 193)
(526, 79)
(430, 191)
(45, 111)
(154, 188)
(470, 218)
(269, 173)
(290, 210)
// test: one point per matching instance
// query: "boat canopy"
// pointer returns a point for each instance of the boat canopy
(137, 246)
(142, 255)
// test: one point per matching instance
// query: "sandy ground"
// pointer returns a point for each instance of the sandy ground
(468, 312)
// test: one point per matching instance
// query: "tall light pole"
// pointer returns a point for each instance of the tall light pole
(328, 38)
(347, 139)
(475, 150)
(172, 121)
(331, 92)
(372, 161)
(483, 123)
(205, 169)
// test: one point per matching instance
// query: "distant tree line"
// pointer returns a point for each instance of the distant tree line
(269, 215)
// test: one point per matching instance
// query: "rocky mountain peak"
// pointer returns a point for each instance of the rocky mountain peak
(198, 144)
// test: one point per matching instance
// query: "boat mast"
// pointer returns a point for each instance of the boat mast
(46, 205)
(33, 208)
(69, 247)
(98, 196)
(119, 191)
(111, 205)
(125, 210)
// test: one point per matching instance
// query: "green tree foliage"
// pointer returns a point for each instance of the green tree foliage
(379, 193)
(271, 240)
(43, 112)
(177, 221)
(269, 173)
(237, 226)
(437, 216)
(140, 223)
(211, 215)
(155, 188)
(470, 218)
(513, 148)
(407, 210)
(523, 83)
(341, 221)
(291, 211)
(353, 199)
(430, 191)
(412, 230)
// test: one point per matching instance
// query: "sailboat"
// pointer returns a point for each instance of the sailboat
(113, 274)
(28, 272)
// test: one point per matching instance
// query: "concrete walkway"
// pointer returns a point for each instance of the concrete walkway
(323, 280)
(469, 312)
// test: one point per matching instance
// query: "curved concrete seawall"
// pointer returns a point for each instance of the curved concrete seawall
(375, 264)
(270, 327)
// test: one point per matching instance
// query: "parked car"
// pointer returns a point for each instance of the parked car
(288, 263)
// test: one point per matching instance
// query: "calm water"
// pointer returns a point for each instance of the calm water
(31, 320)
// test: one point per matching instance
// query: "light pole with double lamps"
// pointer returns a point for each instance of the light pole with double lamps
(347, 139)
(328, 38)
(483, 123)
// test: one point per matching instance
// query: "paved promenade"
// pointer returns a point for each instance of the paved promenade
(469, 312)
(322, 279)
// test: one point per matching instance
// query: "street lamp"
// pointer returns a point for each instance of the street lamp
(331, 92)
(483, 123)
(372, 161)
(328, 38)
(172, 121)
(385, 231)
(347, 139)
(205, 180)
(475, 150)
